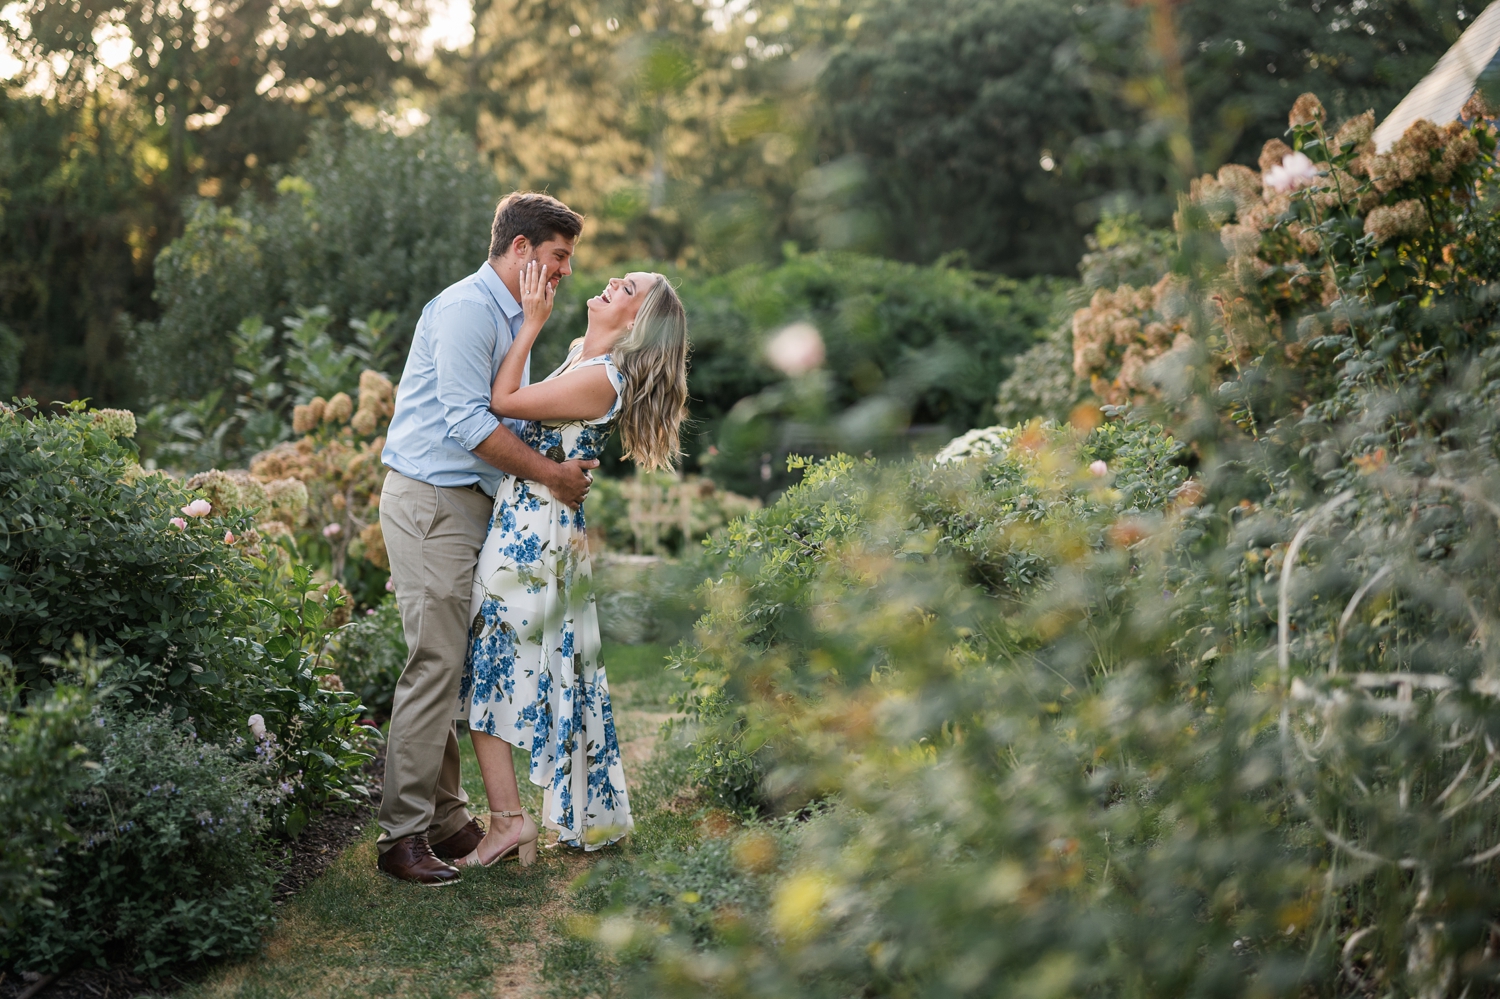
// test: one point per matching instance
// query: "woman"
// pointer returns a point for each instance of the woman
(533, 677)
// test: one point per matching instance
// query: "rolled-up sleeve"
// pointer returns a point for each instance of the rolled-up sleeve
(463, 337)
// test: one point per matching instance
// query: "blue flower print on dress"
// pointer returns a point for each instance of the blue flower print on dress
(533, 675)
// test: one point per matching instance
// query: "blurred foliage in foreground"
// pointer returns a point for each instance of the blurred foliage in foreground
(1057, 727)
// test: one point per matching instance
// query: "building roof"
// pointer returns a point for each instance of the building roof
(1444, 91)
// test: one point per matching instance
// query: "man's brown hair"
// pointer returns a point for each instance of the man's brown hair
(538, 217)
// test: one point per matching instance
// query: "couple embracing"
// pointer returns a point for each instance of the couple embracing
(482, 512)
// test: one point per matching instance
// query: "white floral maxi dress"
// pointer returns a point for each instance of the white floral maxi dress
(533, 676)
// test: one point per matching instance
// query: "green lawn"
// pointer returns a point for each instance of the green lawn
(499, 932)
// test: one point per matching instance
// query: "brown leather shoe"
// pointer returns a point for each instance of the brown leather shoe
(410, 859)
(461, 843)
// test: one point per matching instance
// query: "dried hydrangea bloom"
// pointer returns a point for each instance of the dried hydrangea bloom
(1259, 216)
(1247, 330)
(1248, 272)
(338, 409)
(1420, 136)
(1388, 222)
(1330, 292)
(1356, 131)
(1158, 336)
(1132, 367)
(373, 540)
(1460, 150)
(1409, 158)
(376, 393)
(287, 498)
(364, 422)
(1476, 107)
(1171, 298)
(1272, 153)
(1310, 328)
(1306, 110)
(1217, 202)
(274, 529)
(1242, 240)
(115, 422)
(1242, 183)
(305, 419)
(222, 491)
(1307, 239)
(1133, 326)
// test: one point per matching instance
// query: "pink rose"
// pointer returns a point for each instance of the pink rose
(332, 531)
(1099, 468)
(1294, 171)
(198, 508)
(390, 585)
(228, 538)
(178, 523)
(796, 350)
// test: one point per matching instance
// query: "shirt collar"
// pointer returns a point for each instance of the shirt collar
(501, 294)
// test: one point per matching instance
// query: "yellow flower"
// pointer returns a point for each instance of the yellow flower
(797, 910)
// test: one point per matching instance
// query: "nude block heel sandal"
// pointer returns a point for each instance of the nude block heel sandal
(524, 848)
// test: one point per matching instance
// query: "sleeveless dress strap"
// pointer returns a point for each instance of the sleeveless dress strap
(572, 353)
(615, 378)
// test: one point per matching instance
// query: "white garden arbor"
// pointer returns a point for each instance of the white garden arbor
(1443, 92)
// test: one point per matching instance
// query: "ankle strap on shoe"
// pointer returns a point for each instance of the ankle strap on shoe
(506, 815)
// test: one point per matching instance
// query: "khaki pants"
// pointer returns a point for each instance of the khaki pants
(433, 536)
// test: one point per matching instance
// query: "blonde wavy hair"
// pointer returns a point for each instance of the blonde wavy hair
(652, 359)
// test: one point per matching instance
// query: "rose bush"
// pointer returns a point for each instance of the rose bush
(196, 624)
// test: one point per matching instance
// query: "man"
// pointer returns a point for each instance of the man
(447, 453)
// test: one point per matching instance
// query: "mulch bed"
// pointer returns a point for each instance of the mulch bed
(325, 837)
(300, 862)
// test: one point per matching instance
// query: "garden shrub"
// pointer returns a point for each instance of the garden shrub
(336, 458)
(166, 869)
(608, 511)
(1238, 737)
(318, 495)
(1323, 233)
(1042, 382)
(40, 757)
(370, 653)
(200, 618)
(89, 549)
(1005, 508)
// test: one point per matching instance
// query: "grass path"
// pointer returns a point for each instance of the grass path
(499, 932)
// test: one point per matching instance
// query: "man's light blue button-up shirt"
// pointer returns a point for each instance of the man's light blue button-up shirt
(443, 403)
